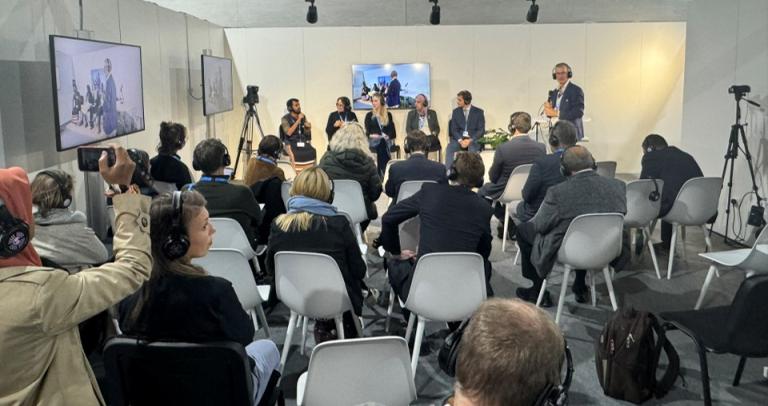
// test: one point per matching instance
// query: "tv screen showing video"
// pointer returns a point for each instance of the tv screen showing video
(217, 84)
(398, 82)
(98, 91)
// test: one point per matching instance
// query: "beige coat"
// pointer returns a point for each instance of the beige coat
(41, 359)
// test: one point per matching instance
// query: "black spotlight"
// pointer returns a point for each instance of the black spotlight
(311, 12)
(533, 12)
(434, 17)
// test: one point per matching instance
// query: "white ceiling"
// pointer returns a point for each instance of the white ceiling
(292, 13)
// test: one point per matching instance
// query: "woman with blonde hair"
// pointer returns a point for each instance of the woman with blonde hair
(348, 159)
(381, 132)
(312, 224)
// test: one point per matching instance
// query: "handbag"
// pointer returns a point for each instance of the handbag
(448, 354)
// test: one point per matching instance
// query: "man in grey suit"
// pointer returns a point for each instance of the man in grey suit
(519, 150)
(423, 119)
(539, 239)
(467, 126)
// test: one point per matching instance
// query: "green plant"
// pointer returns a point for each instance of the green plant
(494, 138)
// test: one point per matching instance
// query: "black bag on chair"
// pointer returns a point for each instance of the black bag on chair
(449, 353)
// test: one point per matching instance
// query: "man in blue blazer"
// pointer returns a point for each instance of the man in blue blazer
(467, 126)
(567, 101)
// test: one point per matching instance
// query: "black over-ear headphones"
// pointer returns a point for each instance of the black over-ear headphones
(567, 171)
(552, 137)
(66, 197)
(333, 192)
(655, 195)
(177, 243)
(14, 233)
(557, 395)
(226, 160)
(570, 72)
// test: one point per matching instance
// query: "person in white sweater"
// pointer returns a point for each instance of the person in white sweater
(61, 234)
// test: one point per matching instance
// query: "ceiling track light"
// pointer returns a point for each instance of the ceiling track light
(311, 12)
(533, 12)
(434, 16)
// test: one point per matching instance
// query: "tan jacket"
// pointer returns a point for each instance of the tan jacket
(41, 359)
(258, 171)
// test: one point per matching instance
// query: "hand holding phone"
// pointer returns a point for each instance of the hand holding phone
(88, 158)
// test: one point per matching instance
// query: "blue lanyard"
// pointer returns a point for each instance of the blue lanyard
(214, 179)
(344, 119)
(267, 160)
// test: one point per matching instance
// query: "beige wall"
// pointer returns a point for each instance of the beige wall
(632, 73)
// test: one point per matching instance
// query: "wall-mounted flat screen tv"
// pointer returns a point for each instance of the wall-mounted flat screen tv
(217, 84)
(97, 89)
(398, 82)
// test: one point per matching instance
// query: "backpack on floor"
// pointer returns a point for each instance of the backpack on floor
(627, 355)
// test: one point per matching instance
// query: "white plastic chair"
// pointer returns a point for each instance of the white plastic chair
(642, 211)
(290, 173)
(285, 189)
(386, 168)
(446, 286)
(164, 187)
(358, 371)
(348, 197)
(751, 260)
(696, 202)
(232, 265)
(310, 285)
(229, 234)
(591, 242)
(511, 197)
(606, 169)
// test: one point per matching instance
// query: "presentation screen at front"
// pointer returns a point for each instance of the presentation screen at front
(398, 82)
(217, 84)
(97, 89)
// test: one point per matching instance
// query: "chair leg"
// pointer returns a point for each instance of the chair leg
(705, 286)
(506, 227)
(517, 255)
(609, 283)
(409, 329)
(288, 338)
(417, 344)
(682, 234)
(304, 335)
(563, 288)
(633, 241)
(541, 293)
(704, 375)
(263, 320)
(706, 238)
(739, 370)
(359, 326)
(389, 309)
(672, 244)
(647, 234)
(339, 327)
(256, 266)
(592, 286)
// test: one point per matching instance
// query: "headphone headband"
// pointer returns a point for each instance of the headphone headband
(66, 197)
(177, 243)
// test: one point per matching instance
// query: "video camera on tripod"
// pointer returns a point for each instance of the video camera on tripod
(251, 98)
(251, 95)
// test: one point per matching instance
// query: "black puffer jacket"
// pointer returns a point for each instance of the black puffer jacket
(355, 165)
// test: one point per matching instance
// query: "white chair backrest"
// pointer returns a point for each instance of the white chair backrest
(607, 169)
(229, 234)
(386, 168)
(361, 370)
(592, 241)
(310, 284)
(285, 188)
(757, 260)
(232, 265)
(290, 173)
(696, 201)
(410, 187)
(514, 189)
(164, 187)
(348, 197)
(447, 286)
(641, 210)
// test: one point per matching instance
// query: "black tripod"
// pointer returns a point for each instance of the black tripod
(246, 134)
(737, 132)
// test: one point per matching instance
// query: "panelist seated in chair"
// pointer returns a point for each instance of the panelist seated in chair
(312, 224)
(453, 219)
(540, 238)
(416, 167)
(224, 199)
(181, 302)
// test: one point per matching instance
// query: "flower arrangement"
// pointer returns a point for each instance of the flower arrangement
(493, 138)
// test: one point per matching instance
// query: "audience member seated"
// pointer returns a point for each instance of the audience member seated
(511, 353)
(42, 358)
(224, 199)
(416, 167)
(181, 302)
(539, 239)
(265, 179)
(674, 167)
(61, 234)
(453, 219)
(339, 117)
(348, 159)
(167, 166)
(519, 150)
(545, 171)
(142, 174)
(313, 225)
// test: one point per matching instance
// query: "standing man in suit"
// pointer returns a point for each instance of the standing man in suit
(393, 91)
(566, 102)
(539, 239)
(416, 167)
(467, 126)
(453, 219)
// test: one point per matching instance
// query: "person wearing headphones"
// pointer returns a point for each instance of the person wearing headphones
(467, 125)
(453, 219)
(340, 117)
(181, 301)
(674, 167)
(423, 119)
(511, 354)
(566, 102)
(224, 199)
(265, 179)
(583, 192)
(43, 361)
(416, 167)
(61, 234)
(167, 166)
